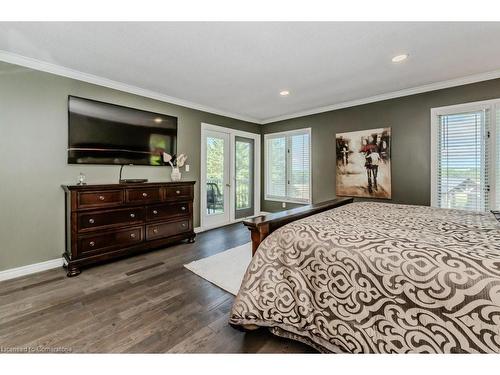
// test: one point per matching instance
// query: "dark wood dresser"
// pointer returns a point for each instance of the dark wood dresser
(104, 222)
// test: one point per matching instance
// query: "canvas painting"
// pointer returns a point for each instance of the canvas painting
(364, 163)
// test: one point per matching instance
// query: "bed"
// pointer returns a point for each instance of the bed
(378, 278)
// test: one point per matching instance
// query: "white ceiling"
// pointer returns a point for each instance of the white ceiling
(240, 68)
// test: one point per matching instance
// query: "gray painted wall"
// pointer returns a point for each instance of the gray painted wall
(33, 142)
(409, 118)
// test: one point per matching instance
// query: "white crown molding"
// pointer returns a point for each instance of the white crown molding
(391, 95)
(29, 269)
(59, 70)
(47, 67)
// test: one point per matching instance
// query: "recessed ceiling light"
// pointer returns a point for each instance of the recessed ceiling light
(284, 93)
(158, 120)
(400, 58)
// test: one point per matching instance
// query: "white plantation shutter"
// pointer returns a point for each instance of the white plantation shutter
(276, 177)
(299, 173)
(288, 166)
(463, 161)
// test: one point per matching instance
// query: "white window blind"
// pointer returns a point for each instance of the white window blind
(299, 172)
(288, 166)
(277, 167)
(463, 161)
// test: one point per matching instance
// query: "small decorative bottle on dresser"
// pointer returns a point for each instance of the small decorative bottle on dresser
(104, 222)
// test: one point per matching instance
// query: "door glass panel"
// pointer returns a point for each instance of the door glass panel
(244, 177)
(215, 175)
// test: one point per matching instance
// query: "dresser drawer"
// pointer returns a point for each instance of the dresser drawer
(109, 218)
(99, 198)
(164, 211)
(108, 241)
(176, 192)
(146, 195)
(160, 230)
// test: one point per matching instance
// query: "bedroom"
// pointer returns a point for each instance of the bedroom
(249, 187)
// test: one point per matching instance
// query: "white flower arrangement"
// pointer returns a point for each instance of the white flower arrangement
(175, 163)
(167, 158)
(181, 160)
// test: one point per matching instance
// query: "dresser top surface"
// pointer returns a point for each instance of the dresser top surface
(92, 187)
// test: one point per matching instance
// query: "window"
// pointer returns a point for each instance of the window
(288, 166)
(465, 156)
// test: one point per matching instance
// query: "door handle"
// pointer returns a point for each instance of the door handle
(228, 185)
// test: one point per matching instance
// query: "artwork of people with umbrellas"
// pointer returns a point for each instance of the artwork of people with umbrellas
(364, 163)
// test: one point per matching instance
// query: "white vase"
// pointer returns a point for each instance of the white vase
(176, 174)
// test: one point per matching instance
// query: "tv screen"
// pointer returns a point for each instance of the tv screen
(102, 133)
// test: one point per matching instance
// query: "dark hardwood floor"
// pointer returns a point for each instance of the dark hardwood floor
(148, 303)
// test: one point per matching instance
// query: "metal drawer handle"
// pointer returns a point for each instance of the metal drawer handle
(91, 243)
(101, 197)
(132, 235)
(155, 212)
(91, 221)
(177, 192)
(155, 230)
(132, 215)
(144, 195)
(184, 224)
(183, 208)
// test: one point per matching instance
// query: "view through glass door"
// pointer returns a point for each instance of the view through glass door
(244, 177)
(230, 175)
(217, 197)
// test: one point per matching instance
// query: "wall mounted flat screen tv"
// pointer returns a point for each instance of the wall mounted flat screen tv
(102, 133)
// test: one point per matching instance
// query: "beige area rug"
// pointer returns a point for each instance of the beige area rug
(225, 269)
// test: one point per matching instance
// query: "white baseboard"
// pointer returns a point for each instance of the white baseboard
(54, 263)
(29, 269)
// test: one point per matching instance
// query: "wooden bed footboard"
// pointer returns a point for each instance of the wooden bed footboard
(262, 226)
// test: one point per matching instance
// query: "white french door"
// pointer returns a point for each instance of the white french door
(465, 156)
(230, 175)
(215, 159)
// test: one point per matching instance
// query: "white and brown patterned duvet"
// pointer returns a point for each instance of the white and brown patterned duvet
(379, 278)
